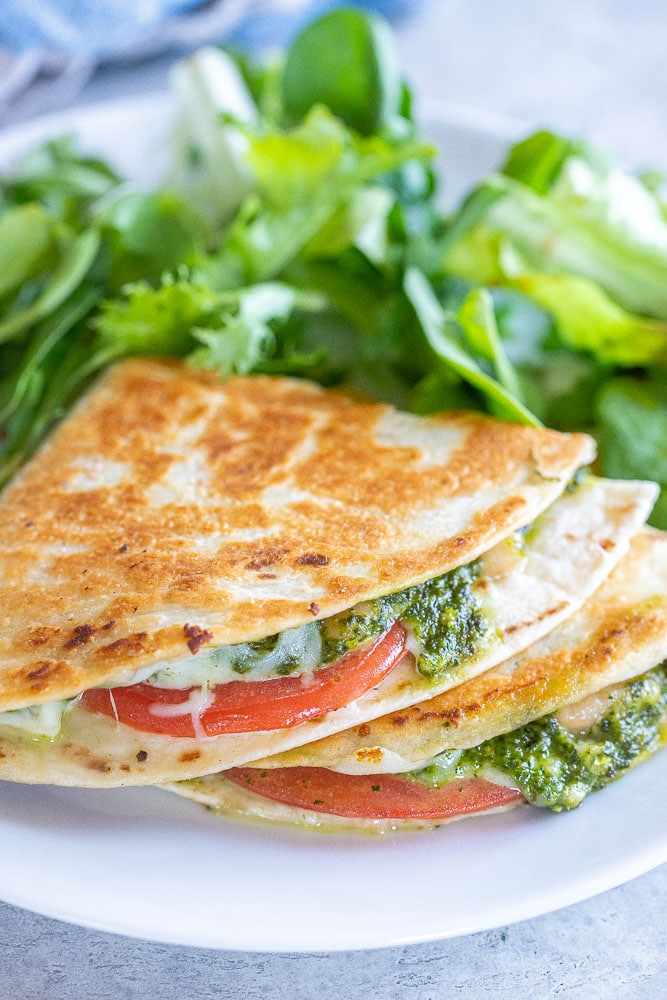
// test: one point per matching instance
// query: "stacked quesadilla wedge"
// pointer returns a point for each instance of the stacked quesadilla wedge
(198, 575)
(565, 717)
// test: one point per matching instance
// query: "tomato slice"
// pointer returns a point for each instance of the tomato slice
(253, 706)
(371, 796)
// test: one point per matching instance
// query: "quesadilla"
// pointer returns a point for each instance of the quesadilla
(199, 574)
(562, 719)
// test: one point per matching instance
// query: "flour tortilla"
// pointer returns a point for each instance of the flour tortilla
(169, 504)
(570, 549)
(620, 633)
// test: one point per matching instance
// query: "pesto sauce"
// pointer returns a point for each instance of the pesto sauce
(444, 616)
(557, 769)
(263, 647)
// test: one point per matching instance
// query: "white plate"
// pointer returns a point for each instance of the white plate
(145, 863)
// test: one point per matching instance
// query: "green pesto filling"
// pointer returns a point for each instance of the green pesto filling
(444, 616)
(557, 769)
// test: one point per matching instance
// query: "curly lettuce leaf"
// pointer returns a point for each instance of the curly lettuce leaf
(245, 338)
(155, 321)
(226, 332)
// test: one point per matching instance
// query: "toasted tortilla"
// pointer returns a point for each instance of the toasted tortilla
(527, 586)
(170, 509)
(619, 633)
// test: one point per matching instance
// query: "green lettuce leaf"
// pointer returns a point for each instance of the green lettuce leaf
(303, 178)
(587, 319)
(632, 431)
(436, 326)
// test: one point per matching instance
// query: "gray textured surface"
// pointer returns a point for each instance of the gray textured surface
(583, 67)
(606, 948)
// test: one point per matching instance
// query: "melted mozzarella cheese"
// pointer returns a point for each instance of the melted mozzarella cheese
(38, 720)
(195, 705)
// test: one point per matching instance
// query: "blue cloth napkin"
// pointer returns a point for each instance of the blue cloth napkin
(49, 48)
(92, 29)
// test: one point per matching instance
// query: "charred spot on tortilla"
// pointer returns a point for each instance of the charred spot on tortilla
(80, 636)
(312, 559)
(196, 637)
(41, 635)
(127, 646)
(41, 671)
(547, 613)
(267, 557)
(42, 674)
(97, 764)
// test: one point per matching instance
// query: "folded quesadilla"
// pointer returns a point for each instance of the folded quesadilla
(560, 720)
(199, 574)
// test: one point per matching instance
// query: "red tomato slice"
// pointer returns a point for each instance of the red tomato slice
(370, 796)
(253, 706)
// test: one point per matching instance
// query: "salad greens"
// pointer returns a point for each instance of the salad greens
(298, 232)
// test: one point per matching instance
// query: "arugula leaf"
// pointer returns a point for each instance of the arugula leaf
(30, 371)
(27, 245)
(54, 368)
(59, 178)
(478, 321)
(77, 257)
